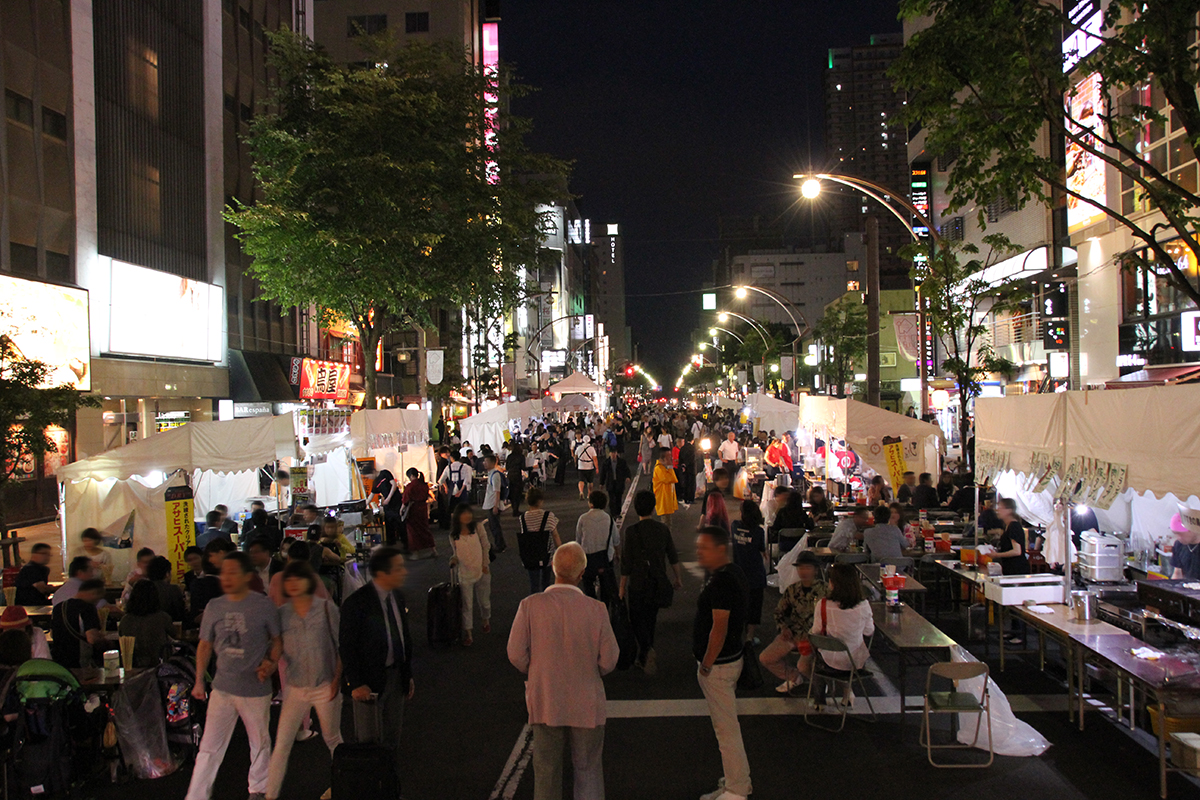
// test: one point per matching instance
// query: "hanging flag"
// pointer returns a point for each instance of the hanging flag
(434, 363)
(759, 373)
(786, 367)
(181, 529)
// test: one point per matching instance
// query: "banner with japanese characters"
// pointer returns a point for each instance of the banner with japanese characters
(181, 528)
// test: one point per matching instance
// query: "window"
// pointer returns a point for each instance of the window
(244, 18)
(246, 113)
(18, 108)
(416, 22)
(230, 6)
(24, 259)
(230, 104)
(58, 267)
(54, 124)
(952, 230)
(366, 25)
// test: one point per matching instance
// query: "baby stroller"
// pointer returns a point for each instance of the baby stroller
(50, 721)
(176, 677)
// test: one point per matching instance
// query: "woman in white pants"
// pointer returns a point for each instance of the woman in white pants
(471, 547)
(314, 668)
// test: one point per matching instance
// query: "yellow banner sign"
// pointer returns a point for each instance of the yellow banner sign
(893, 453)
(181, 529)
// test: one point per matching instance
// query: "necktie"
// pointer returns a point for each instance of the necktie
(397, 650)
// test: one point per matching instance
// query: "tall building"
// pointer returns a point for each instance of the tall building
(338, 24)
(864, 137)
(610, 293)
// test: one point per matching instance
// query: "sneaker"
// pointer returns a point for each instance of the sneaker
(304, 736)
(786, 687)
(651, 665)
(487, 626)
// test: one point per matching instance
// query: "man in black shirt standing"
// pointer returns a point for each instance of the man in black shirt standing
(32, 586)
(718, 635)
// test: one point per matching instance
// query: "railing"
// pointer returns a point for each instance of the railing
(1006, 331)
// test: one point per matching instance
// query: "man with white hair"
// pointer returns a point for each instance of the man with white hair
(562, 640)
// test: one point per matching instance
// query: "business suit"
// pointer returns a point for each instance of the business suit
(563, 642)
(363, 638)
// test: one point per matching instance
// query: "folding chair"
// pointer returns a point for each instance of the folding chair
(837, 678)
(902, 564)
(956, 702)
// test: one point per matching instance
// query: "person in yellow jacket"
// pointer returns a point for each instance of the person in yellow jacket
(665, 479)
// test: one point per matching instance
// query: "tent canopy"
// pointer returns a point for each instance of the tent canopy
(576, 383)
(773, 414)
(863, 427)
(378, 427)
(576, 402)
(487, 427)
(229, 446)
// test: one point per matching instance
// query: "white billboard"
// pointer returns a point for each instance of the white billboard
(48, 323)
(156, 314)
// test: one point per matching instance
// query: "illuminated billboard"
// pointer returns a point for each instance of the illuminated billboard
(320, 380)
(157, 314)
(49, 324)
(1085, 170)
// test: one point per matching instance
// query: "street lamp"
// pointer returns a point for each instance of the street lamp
(742, 292)
(810, 187)
(724, 316)
(713, 332)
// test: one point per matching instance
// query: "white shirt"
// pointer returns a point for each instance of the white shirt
(851, 625)
(471, 550)
(585, 457)
(592, 532)
(728, 450)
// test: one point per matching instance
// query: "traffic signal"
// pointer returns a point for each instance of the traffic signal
(629, 371)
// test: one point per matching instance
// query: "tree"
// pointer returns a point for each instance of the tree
(843, 333)
(387, 191)
(987, 79)
(957, 301)
(27, 409)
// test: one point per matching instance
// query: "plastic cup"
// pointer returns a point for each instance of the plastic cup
(10, 595)
(103, 614)
(126, 644)
(112, 660)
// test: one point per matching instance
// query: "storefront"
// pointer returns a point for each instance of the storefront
(1161, 323)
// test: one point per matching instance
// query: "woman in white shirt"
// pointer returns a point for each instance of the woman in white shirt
(471, 546)
(844, 614)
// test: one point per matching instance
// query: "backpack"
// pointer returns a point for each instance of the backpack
(456, 478)
(610, 439)
(503, 485)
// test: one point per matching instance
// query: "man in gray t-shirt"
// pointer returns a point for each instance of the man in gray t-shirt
(883, 540)
(242, 629)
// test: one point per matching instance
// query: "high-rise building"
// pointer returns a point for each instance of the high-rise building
(610, 293)
(864, 137)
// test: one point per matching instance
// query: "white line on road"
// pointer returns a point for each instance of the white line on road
(519, 748)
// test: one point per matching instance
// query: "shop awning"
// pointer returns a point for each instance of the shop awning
(258, 378)
(1157, 376)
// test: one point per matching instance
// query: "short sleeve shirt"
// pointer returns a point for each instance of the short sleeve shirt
(726, 591)
(240, 632)
(1186, 558)
(1013, 535)
(748, 547)
(493, 490)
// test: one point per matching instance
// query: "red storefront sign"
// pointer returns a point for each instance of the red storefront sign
(320, 380)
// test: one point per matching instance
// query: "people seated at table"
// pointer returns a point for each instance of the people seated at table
(963, 499)
(79, 570)
(883, 539)
(791, 517)
(261, 525)
(170, 596)
(878, 492)
(208, 586)
(819, 507)
(212, 529)
(144, 556)
(946, 486)
(905, 492)
(75, 626)
(92, 546)
(194, 558)
(925, 495)
(264, 561)
(14, 618)
(151, 627)
(849, 530)
(794, 616)
(33, 587)
(846, 615)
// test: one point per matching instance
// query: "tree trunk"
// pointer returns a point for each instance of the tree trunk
(370, 347)
(964, 426)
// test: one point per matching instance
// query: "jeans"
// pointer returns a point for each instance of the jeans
(495, 531)
(540, 578)
(479, 589)
(719, 688)
(223, 712)
(297, 701)
(587, 751)
(643, 617)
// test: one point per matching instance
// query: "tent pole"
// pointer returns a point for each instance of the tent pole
(1066, 526)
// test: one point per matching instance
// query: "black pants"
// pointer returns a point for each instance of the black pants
(516, 493)
(496, 531)
(600, 570)
(643, 616)
(394, 530)
(614, 501)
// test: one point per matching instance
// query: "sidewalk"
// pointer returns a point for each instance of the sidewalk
(49, 533)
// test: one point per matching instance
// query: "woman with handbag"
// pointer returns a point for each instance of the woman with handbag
(314, 668)
(646, 549)
(414, 513)
(794, 616)
(470, 543)
(845, 614)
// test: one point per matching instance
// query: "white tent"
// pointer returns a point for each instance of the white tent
(727, 402)
(122, 490)
(397, 438)
(1152, 432)
(488, 427)
(772, 413)
(863, 427)
(570, 404)
(576, 383)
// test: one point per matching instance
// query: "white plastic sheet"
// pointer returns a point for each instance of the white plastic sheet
(1010, 736)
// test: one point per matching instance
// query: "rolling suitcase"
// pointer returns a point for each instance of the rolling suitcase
(443, 616)
(365, 770)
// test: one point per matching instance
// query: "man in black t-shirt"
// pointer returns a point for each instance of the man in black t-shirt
(718, 636)
(76, 626)
(32, 586)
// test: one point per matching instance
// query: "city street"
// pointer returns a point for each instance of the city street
(465, 736)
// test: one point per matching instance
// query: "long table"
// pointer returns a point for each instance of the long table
(912, 636)
(1168, 679)
(913, 588)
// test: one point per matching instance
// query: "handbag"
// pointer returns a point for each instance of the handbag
(618, 618)
(663, 592)
(751, 678)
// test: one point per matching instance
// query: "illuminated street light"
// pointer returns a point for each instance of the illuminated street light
(740, 292)
(712, 331)
(812, 359)
(810, 189)
(774, 368)
(723, 316)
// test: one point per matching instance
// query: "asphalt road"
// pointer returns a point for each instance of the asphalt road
(463, 733)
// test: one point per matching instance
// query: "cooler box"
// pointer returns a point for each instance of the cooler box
(1013, 590)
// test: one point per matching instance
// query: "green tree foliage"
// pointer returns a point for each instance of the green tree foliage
(956, 302)
(26, 411)
(986, 80)
(843, 333)
(386, 191)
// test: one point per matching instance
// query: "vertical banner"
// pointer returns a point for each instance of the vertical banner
(181, 528)
(741, 377)
(786, 367)
(759, 374)
(434, 364)
(893, 454)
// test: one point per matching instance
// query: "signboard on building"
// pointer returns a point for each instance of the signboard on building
(320, 380)
(157, 314)
(181, 530)
(1189, 331)
(49, 324)
(1057, 335)
(1085, 170)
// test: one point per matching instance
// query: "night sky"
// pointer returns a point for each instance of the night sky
(676, 112)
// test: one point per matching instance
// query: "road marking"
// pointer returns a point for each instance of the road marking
(518, 753)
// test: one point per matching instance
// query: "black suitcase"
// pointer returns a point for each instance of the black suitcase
(366, 770)
(443, 617)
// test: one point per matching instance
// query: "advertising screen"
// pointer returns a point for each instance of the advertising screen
(1085, 171)
(49, 324)
(158, 314)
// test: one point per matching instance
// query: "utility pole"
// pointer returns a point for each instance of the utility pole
(873, 310)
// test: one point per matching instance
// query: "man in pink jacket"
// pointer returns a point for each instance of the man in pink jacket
(561, 639)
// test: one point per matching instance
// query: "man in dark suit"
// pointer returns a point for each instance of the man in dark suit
(615, 478)
(376, 647)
